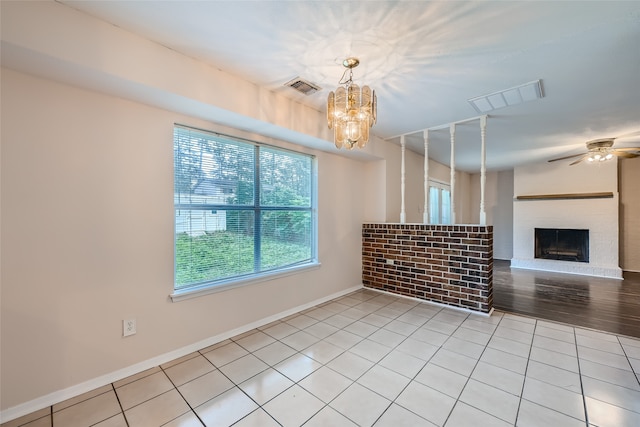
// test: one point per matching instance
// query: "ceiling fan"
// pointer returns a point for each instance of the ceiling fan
(599, 150)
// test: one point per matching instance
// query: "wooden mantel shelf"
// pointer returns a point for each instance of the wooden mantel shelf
(604, 195)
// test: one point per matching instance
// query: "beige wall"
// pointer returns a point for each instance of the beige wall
(629, 187)
(87, 240)
(498, 207)
(503, 217)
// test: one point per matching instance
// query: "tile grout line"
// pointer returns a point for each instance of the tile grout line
(584, 397)
(526, 368)
(624, 350)
(119, 404)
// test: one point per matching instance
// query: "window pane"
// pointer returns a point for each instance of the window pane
(285, 178)
(205, 253)
(285, 238)
(446, 206)
(434, 205)
(217, 214)
(212, 171)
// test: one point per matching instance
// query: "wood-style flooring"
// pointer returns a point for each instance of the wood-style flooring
(610, 305)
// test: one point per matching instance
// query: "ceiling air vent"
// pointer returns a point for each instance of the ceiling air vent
(303, 86)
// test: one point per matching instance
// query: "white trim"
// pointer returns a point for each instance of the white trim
(425, 213)
(78, 389)
(452, 180)
(403, 215)
(439, 304)
(206, 289)
(441, 127)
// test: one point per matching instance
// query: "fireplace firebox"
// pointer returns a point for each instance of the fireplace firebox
(562, 244)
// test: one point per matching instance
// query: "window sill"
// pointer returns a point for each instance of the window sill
(198, 291)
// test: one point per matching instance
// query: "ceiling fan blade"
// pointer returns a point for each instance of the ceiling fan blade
(579, 160)
(627, 135)
(566, 157)
(627, 149)
(624, 154)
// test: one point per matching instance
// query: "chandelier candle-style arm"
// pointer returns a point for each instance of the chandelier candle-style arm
(351, 111)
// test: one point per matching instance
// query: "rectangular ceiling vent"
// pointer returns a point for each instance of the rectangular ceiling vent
(303, 86)
(507, 97)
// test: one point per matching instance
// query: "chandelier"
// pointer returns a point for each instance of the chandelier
(351, 111)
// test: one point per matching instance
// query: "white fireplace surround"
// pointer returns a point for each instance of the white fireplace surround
(599, 216)
(598, 213)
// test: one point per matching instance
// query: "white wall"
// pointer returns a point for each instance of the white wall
(599, 216)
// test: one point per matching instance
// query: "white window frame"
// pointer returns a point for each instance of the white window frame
(181, 293)
(440, 186)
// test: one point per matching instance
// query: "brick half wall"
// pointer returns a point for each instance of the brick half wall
(447, 264)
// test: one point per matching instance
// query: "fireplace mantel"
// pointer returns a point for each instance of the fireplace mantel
(566, 196)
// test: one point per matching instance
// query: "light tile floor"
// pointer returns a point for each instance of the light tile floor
(374, 359)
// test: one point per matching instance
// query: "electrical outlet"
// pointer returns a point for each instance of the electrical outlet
(128, 327)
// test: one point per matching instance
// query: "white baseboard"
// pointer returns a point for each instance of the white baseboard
(438, 304)
(78, 389)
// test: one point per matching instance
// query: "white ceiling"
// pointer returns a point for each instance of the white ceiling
(425, 60)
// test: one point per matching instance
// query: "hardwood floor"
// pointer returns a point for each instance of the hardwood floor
(593, 302)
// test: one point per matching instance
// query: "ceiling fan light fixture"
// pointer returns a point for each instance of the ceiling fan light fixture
(601, 150)
(351, 110)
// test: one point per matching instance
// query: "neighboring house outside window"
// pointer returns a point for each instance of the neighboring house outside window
(439, 203)
(242, 209)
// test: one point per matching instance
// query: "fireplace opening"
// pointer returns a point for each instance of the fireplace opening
(562, 244)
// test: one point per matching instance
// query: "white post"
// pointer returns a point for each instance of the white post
(483, 169)
(452, 131)
(402, 212)
(425, 214)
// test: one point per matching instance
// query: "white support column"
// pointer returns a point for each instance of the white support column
(402, 211)
(425, 214)
(483, 169)
(452, 165)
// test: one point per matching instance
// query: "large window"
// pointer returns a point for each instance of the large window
(241, 209)
(439, 203)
